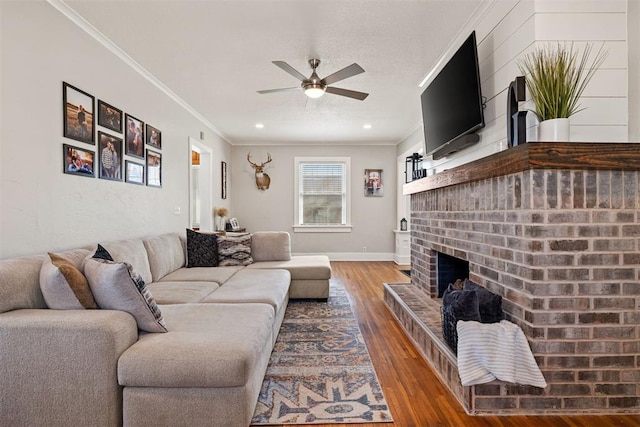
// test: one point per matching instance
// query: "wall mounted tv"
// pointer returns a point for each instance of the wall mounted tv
(452, 107)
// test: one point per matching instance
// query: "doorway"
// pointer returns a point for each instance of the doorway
(200, 186)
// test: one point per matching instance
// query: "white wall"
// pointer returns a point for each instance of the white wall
(509, 29)
(633, 28)
(42, 208)
(373, 218)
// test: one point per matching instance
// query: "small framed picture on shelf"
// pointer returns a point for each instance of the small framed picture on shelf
(154, 137)
(110, 156)
(78, 161)
(154, 169)
(77, 106)
(134, 172)
(109, 116)
(134, 136)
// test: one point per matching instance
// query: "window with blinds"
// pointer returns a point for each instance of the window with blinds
(322, 192)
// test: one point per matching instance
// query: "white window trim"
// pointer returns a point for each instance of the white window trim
(299, 228)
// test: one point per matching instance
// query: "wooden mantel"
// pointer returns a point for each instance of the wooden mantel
(535, 155)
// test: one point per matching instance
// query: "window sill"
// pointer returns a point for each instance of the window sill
(322, 228)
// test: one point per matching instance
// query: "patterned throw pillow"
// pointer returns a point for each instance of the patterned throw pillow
(234, 250)
(202, 249)
(63, 285)
(116, 286)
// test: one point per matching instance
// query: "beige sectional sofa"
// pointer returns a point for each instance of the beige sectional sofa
(96, 368)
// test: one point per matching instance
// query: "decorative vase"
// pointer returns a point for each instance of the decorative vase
(554, 130)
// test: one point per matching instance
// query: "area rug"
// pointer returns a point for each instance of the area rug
(320, 371)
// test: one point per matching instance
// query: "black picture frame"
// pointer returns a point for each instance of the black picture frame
(134, 172)
(78, 161)
(109, 116)
(154, 137)
(78, 114)
(223, 179)
(109, 157)
(134, 136)
(154, 169)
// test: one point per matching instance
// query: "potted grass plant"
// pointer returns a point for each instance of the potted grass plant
(556, 77)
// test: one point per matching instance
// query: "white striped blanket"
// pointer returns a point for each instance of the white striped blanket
(487, 351)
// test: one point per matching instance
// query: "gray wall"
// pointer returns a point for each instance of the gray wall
(42, 208)
(373, 218)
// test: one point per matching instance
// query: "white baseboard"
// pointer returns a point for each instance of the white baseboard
(402, 259)
(356, 256)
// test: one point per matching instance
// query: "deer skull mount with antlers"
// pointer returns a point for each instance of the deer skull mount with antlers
(262, 179)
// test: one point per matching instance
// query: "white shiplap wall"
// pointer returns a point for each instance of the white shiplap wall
(509, 29)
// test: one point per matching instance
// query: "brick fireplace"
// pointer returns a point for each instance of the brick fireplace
(554, 228)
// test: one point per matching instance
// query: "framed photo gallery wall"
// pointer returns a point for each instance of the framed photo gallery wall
(124, 148)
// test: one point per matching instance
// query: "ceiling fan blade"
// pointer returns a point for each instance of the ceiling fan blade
(284, 89)
(346, 72)
(346, 92)
(289, 69)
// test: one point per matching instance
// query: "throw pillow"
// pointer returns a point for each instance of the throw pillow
(116, 286)
(234, 250)
(490, 304)
(463, 304)
(63, 285)
(202, 249)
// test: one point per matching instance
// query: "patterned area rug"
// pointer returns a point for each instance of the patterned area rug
(320, 371)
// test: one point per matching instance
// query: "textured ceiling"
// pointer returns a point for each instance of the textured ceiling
(215, 55)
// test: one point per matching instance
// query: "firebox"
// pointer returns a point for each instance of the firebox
(449, 270)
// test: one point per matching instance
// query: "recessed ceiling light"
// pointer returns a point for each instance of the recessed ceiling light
(366, 126)
(259, 125)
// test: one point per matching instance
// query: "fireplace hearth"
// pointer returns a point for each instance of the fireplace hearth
(553, 228)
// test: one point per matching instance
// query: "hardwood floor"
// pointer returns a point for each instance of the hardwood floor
(415, 395)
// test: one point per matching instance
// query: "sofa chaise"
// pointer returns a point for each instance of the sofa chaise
(96, 367)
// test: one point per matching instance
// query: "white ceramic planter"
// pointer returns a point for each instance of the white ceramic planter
(554, 130)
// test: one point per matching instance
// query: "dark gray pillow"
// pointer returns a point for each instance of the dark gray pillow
(202, 249)
(490, 304)
(462, 304)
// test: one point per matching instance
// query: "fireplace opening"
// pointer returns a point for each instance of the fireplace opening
(449, 270)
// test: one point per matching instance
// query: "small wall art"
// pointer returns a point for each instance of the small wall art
(78, 161)
(223, 180)
(110, 157)
(77, 106)
(134, 135)
(373, 183)
(134, 172)
(154, 169)
(154, 137)
(109, 116)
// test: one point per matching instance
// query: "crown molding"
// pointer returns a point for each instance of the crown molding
(87, 27)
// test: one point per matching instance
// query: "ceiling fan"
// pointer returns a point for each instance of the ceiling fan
(315, 87)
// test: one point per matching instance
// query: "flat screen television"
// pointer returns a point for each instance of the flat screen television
(452, 107)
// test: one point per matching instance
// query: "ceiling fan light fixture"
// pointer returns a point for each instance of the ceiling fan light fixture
(314, 90)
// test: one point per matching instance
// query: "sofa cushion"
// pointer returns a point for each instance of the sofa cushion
(116, 286)
(301, 267)
(165, 254)
(271, 246)
(63, 285)
(202, 249)
(234, 250)
(208, 345)
(202, 274)
(265, 286)
(133, 252)
(181, 292)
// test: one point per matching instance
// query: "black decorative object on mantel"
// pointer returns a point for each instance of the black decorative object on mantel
(516, 120)
(403, 224)
(415, 160)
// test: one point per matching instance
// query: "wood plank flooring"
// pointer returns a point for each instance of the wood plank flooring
(415, 395)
